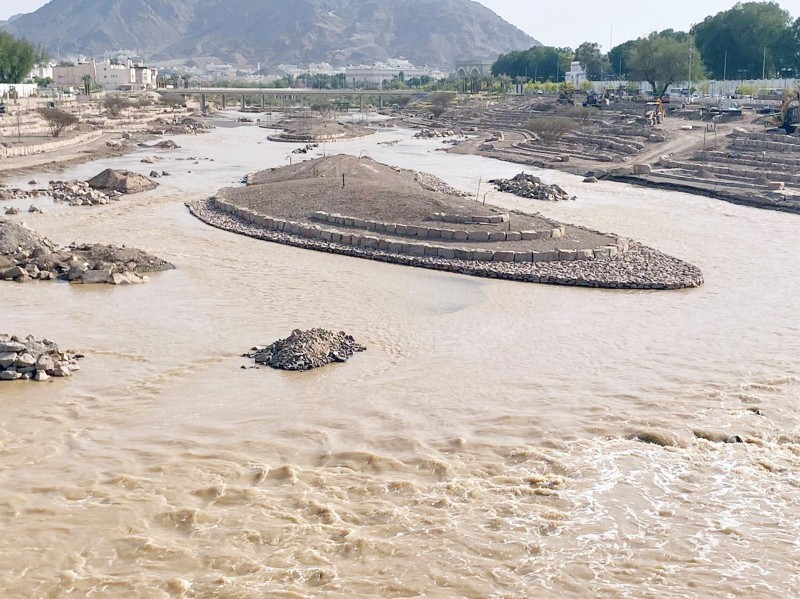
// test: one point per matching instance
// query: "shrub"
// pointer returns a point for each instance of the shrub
(57, 120)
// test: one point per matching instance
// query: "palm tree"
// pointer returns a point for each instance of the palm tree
(186, 79)
(87, 84)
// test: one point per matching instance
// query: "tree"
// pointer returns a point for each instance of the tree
(322, 107)
(541, 63)
(17, 57)
(551, 129)
(743, 35)
(595, 63)
(186, 79)
(441, 101)
(663, 58)
(87, 84)
(619, 57)
(57, 120)
(115, 104)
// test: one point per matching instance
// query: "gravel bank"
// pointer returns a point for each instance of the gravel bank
(641, 267)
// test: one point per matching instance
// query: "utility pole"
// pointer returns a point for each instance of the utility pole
(725, 68)
(764, 67)
(689, 91)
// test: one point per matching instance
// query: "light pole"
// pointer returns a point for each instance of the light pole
(689, 90)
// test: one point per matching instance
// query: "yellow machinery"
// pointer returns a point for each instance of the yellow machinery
(655, 112)
(788, 118)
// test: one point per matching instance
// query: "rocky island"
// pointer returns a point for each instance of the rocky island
(359, 207)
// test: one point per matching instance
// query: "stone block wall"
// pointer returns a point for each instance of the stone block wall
(315, 233)
(57, 144)
(422, 232)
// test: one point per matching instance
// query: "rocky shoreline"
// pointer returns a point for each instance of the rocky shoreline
(641, 267)
(30, 359)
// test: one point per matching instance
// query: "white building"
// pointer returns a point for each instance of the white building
(108, 75)
(576, 75)
(385, 71)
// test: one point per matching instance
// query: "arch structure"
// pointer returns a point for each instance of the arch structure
(473, 69)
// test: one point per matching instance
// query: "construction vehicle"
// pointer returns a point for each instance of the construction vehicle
(788, 117)
(654, 112)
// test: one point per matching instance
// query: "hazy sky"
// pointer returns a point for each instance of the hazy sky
(566, 23)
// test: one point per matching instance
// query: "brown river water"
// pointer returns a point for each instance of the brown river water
(481, 447)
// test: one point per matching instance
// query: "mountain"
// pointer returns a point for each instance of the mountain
(432, 32)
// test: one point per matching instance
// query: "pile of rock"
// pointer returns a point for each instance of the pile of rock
(34, 360)
(121, 182)
(434, 133)
(528, 186)
(304, 350)
(179, 126)
(433, 183)
(80, 193)
(26, 256)
(74, 193)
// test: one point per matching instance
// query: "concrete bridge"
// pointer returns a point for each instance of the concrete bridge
(287, 94)
(473, 69)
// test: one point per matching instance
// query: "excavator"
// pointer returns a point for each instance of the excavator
(788, 117)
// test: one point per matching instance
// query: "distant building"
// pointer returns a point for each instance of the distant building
(72, 76)
(576, 75)
(41, 71)
(127, 76)
(385, 71)
(477, 68)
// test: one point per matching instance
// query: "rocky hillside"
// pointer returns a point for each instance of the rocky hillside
(433, 32)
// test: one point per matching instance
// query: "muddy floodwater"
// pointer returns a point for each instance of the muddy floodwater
(481, 447)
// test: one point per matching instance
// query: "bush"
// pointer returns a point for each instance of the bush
(115, 104)
(58, 120)
(551, 129)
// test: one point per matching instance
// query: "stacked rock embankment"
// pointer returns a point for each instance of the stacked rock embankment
(529, 186)
(304, 350)
(34, 360)
(640, 267)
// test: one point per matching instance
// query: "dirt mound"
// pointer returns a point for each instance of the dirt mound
(304, 350)
(121, 181)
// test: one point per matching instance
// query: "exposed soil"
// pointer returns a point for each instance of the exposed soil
(379, 192)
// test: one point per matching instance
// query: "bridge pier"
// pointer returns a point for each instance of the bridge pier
(263, 101)
(380, 102)
(223, 101)
(202, 103)
(243, 105)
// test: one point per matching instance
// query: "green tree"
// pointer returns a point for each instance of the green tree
(87, 84)
(743, 35)
(541, 63)
(619, 57)
(663, 58)
(17, 57)
(594, 61)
